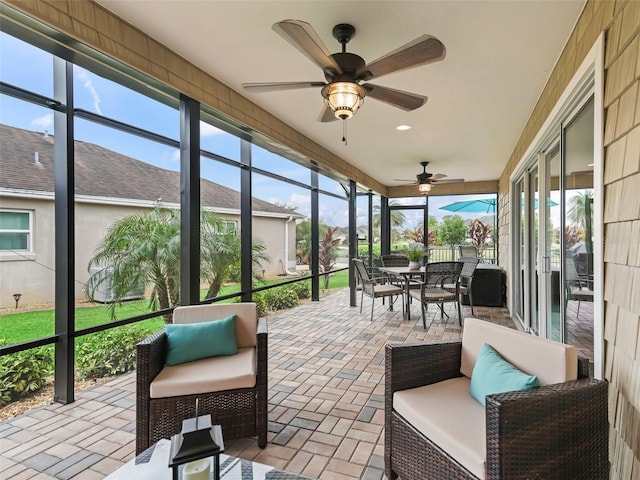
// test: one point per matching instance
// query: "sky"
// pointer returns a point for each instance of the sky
(30, 68)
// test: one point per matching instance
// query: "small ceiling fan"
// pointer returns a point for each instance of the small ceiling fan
(425, 179)
(344, 72)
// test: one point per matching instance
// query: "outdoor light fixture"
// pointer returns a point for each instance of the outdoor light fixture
(424, 188)
(193, 446)
(343, 98)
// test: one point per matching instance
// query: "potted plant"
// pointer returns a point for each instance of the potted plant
(415, 253)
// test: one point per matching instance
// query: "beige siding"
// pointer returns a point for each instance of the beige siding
(620, 20)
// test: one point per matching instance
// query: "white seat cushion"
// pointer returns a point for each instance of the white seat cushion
(207, 375)
(447, 415)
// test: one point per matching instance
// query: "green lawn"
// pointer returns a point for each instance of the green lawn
(22, 326)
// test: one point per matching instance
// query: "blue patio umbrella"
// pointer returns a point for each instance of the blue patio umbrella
(483, 205)
(480, 205)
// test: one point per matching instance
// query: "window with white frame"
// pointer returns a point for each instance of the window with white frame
(15, 231)
(226, 227)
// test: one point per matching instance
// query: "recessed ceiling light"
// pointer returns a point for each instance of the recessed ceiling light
(403, 127)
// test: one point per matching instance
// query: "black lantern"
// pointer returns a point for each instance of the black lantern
(197, 440)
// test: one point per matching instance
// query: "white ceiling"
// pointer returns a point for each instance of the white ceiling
(499, 57)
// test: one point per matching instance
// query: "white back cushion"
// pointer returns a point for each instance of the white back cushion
(552, 362)
(246, 318)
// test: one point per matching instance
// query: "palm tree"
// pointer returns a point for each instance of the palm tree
(303, 239)
(220, 255)
(397, 217)
(580, 207)
(143, 249)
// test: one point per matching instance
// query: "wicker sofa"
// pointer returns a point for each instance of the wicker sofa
(435, 430)
(232, 390)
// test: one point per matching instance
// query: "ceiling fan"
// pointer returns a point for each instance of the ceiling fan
(344, 72)
(425, 179)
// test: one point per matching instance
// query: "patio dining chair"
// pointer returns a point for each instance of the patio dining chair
(373, 289)
(469, 265)
(394, 261)
(433, 288)
(577, 287)
(467, 251)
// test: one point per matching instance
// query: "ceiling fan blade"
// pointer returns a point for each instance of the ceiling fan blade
(438, 176)
(276, 86)
(422, 50)
(302, 36)
(403, 180)
(448, 180)
(326, 115)
(397, 98)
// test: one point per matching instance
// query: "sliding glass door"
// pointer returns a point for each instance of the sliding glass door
(553, 234)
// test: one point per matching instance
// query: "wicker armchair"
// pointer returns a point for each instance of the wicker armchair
(557, 431)
(242, 412)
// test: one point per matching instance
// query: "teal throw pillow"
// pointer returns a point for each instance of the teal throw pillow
(193, 341)
(493, 374)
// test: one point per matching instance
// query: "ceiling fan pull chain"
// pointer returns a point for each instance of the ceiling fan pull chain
(344, 131)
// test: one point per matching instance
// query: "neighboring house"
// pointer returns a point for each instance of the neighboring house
(108, 186)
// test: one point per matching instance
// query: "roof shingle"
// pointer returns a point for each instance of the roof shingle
(26, 163)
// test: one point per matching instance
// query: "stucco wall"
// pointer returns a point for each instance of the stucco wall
(32, 274)
(620, 20)
(273, 235)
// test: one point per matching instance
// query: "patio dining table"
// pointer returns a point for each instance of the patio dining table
(405, 273)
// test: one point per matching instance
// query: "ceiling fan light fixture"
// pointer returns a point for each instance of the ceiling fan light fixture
(343, 98)
(424, 188)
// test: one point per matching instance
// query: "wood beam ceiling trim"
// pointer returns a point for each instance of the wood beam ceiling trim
(489, 186)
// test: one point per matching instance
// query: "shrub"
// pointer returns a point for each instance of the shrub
(110, 352)
(24, 373)
(281, 298)
(302, 289)
(261, 304)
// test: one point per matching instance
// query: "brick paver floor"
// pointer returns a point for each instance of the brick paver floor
(326, 400)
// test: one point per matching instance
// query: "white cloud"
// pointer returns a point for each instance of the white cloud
(302, 203)
(335, 214)
(207, 130)
(45, 122)
(175, 156)
(88, 84)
